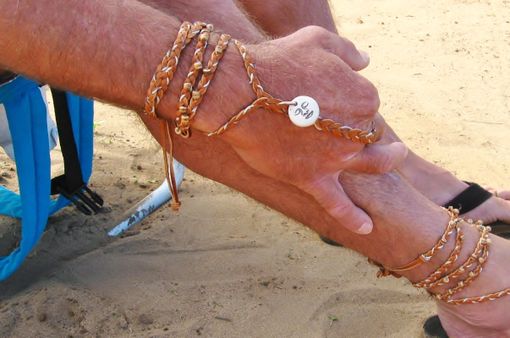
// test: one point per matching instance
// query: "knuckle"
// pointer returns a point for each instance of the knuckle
(370, 101)
(384, 163)
(348, 45)
(316, 32)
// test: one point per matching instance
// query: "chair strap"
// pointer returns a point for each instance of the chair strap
(71, 183)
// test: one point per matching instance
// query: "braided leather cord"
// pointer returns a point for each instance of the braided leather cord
(457, 273)
(466, 282)
(165, 71)
(182, 120)
(267, 102)
(158, 86)
(441, 276)
(480, 299)
(208, 75)
(427, 256)
(454, 255)
(352, 134)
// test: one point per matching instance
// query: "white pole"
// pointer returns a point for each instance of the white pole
(149, 204)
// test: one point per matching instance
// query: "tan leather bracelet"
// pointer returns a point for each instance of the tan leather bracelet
(426, 256)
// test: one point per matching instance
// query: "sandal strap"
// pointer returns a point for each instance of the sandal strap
(469, 199)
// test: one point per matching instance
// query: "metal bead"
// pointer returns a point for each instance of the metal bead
(184, 119)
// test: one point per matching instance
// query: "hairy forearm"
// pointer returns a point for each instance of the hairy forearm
(227, 18)
(283, 17)
(90, 47)
(107, 49)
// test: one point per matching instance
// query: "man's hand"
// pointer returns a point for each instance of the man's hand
(306, 63)
(319, 64)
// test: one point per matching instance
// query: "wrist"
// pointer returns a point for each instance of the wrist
(228, 92)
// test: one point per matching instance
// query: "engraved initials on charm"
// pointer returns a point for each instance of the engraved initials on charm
(305, 111)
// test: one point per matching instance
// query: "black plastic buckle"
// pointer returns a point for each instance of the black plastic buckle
(85, 200)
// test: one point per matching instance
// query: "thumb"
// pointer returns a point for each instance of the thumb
(379, 158)
(330, 195)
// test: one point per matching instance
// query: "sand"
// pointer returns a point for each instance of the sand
(227, 266)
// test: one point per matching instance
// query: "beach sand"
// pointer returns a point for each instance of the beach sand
(226, 266)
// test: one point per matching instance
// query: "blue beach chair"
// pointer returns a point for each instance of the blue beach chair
(26, 113)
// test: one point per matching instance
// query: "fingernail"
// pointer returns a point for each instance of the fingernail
(365, 229)
(365, 56)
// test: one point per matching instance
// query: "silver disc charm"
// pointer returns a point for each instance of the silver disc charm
(304, 112)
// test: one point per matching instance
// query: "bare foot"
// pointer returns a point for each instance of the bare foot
(441, 186)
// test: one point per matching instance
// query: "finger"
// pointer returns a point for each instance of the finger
(341, 47)
(330, 195)
(491, 190)
(347, 51)
(504, 195)
(379, 158)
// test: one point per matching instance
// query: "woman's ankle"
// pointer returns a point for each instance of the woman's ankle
(489, 318)
(437, 184)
